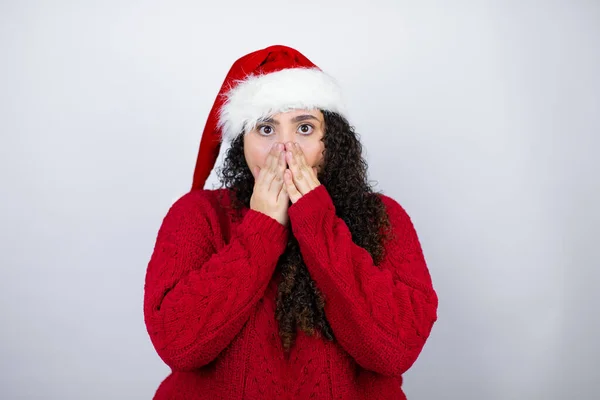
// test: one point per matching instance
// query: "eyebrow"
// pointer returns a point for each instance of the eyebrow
(299, 118)
(304, 117)
(268, 120)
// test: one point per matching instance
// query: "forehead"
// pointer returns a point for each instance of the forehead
(294, 113)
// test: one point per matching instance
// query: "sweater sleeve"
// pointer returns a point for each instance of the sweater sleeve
(196, 299)
(381, 315)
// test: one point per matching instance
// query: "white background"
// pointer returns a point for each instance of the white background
(480, 118)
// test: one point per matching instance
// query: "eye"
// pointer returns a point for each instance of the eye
(305, 129)
(265, 130)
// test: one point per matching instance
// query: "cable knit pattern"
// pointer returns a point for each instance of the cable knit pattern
(209, 304)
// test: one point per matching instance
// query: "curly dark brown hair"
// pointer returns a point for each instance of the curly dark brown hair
(344, 174)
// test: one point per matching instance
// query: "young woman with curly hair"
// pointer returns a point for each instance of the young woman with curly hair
(295, 280)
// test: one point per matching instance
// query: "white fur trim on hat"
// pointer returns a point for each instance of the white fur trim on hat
(261, 96)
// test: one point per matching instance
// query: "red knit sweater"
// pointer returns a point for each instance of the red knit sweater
(210, 292)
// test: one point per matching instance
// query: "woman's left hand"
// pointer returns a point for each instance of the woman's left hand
(299, 178)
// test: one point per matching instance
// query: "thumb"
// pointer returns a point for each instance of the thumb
(283, 195)
(256, 172)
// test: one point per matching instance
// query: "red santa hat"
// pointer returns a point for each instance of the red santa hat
(260, 84)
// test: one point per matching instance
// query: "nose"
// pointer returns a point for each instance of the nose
(287, 135)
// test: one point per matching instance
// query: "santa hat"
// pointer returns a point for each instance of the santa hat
(258, 85)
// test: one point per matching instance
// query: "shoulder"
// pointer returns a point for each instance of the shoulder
(401, 223)
(405, 243)
(191, 222)
(199, 204)
(393, 208)
(201, 198)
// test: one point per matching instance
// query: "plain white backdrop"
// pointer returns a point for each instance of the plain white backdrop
(480, 117)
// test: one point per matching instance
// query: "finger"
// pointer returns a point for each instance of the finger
(269, 170)
(293, 164)
(303, 164)
(261, 177)
(262, 171)
(259, 173)
(277, 181)
(298, 176)
(301, 157)
(283, 196)
(292, 191)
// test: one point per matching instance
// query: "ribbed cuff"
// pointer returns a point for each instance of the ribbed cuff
(262, 231)
(310, 207)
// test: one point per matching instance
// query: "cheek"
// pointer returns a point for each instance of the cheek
(256, 153)
(313, 153)
(252, 153)
(257, 157)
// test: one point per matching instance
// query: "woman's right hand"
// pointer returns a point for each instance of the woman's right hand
(270, 195)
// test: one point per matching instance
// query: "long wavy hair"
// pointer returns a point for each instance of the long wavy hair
(299, 304)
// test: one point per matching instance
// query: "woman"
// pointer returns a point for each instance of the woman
(295, 280)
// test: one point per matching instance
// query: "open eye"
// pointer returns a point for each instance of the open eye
(305, 129)
(265, 130)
